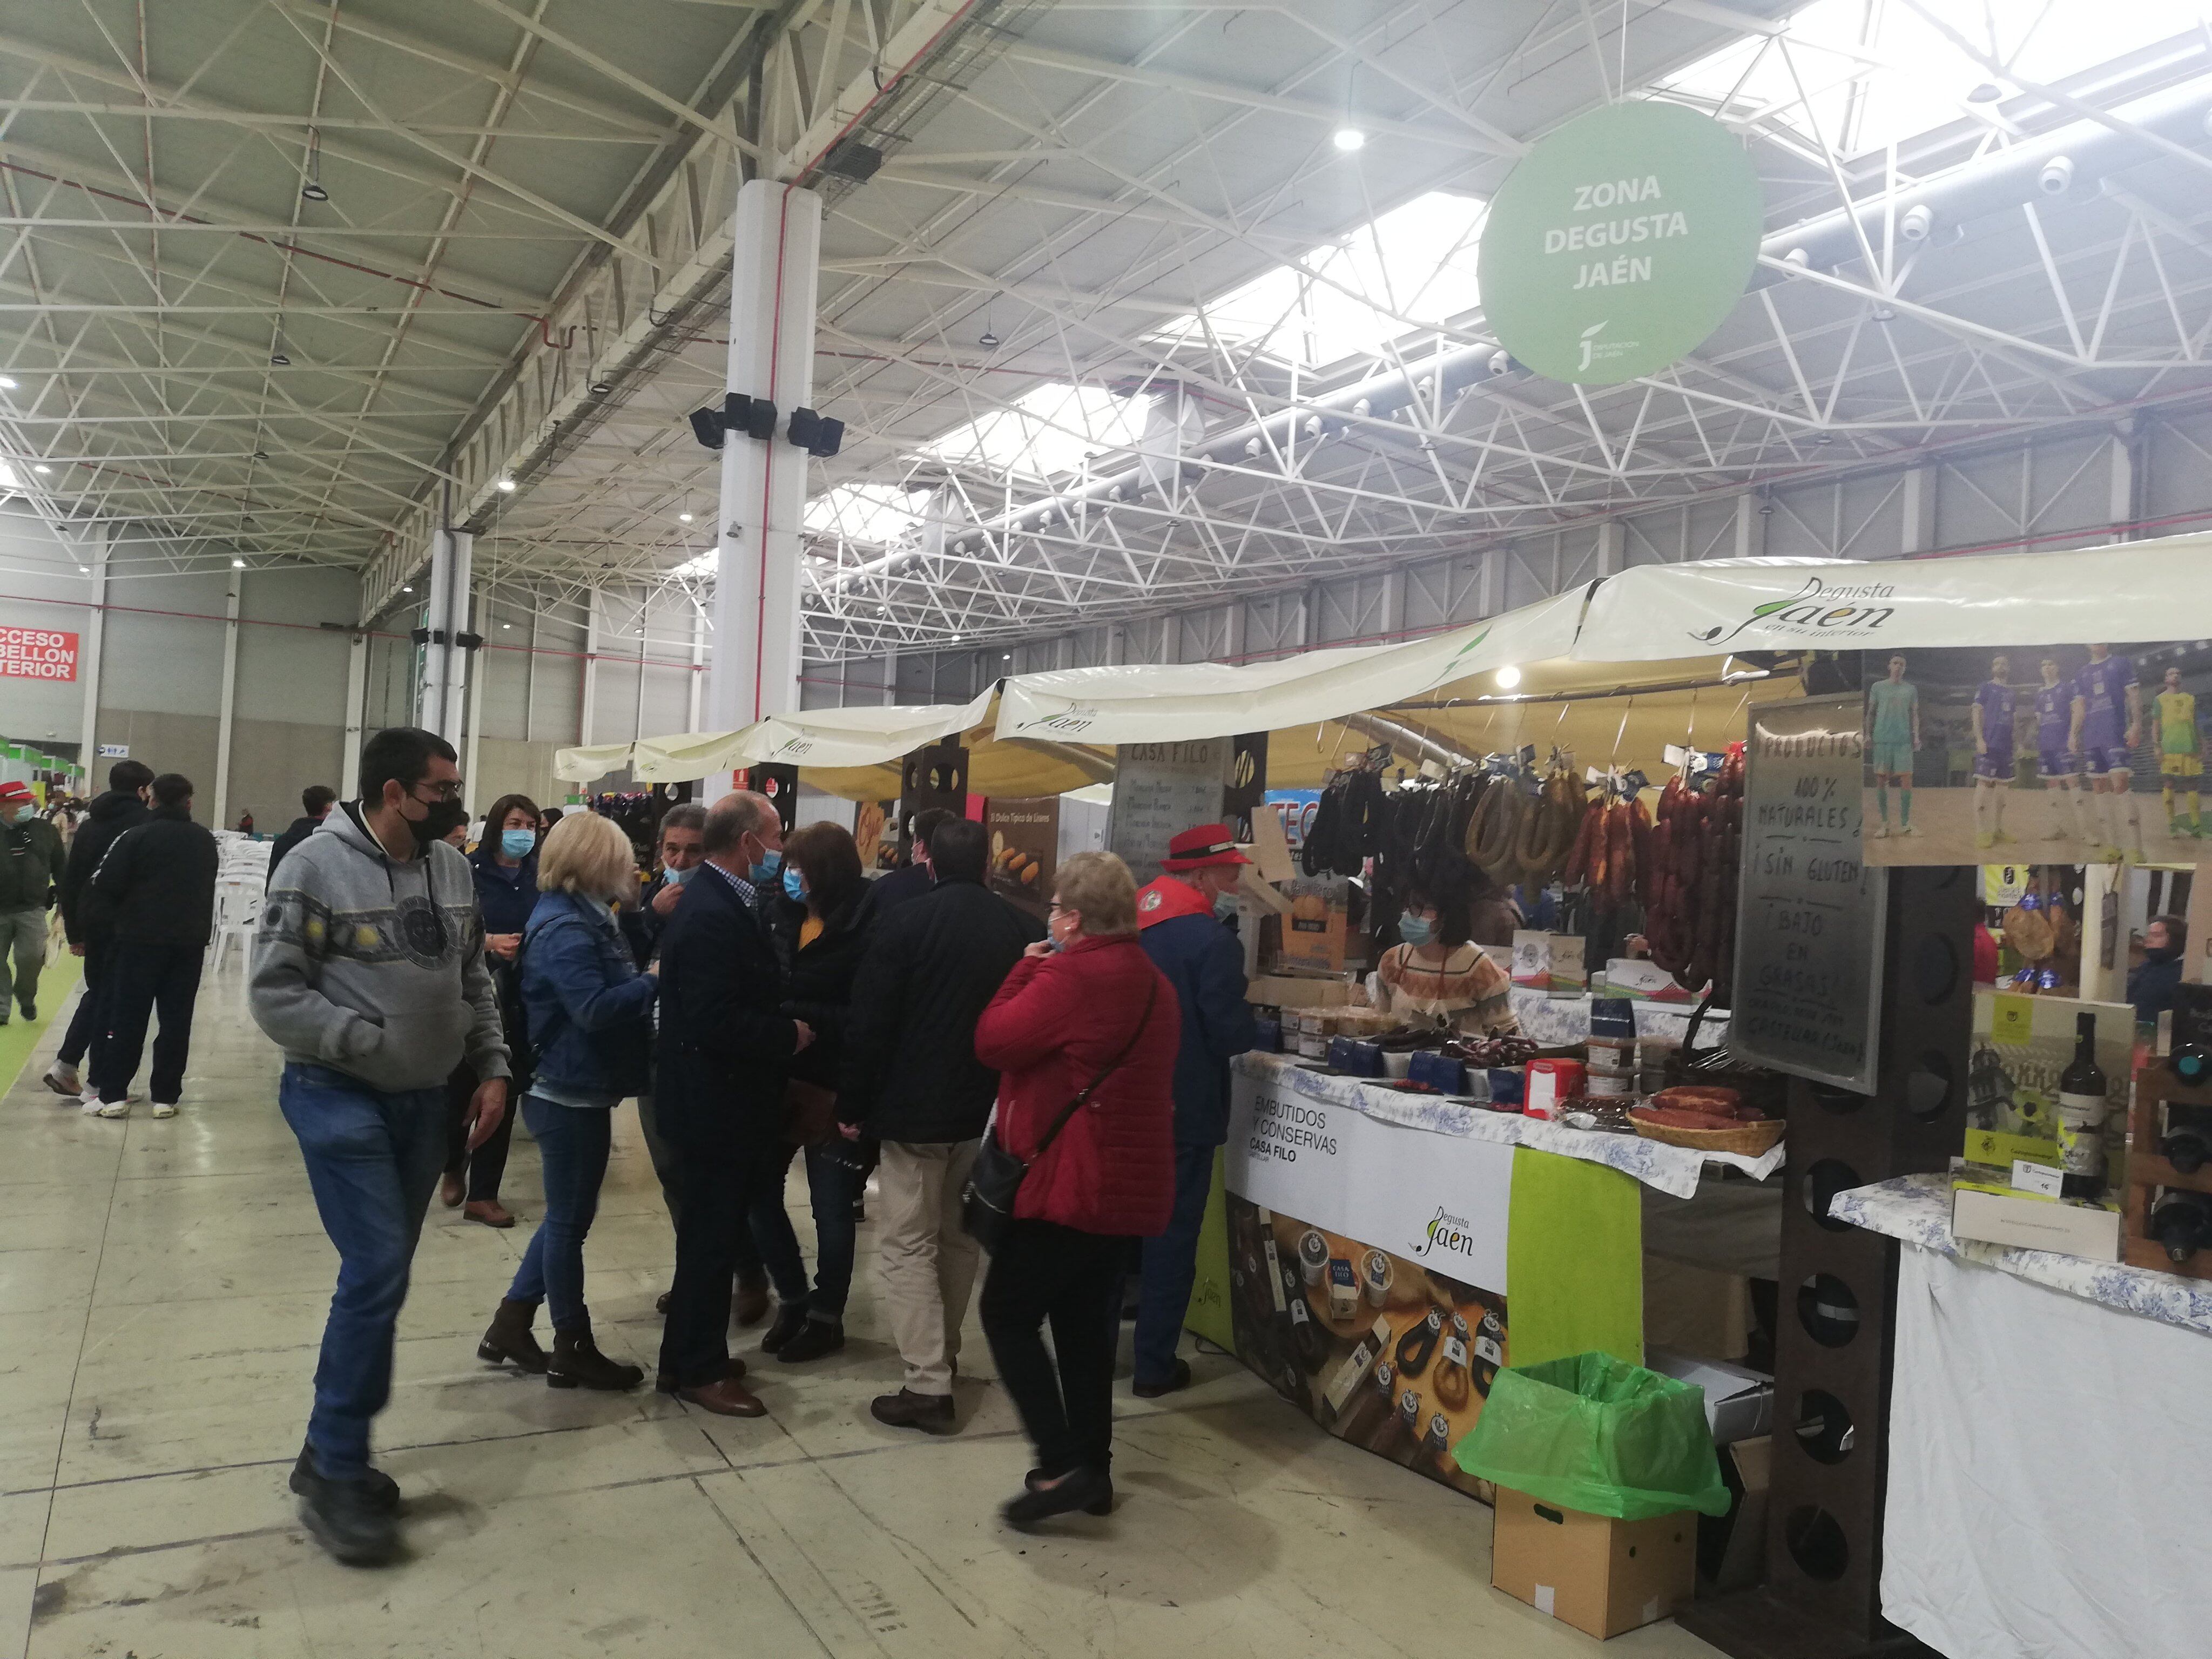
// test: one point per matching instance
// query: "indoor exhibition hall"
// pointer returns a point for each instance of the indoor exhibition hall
(972, 829)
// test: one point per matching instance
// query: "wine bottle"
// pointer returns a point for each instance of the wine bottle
(2081, 1109)
(2182, 1225)
(2192, 1063)
(2187, 1142)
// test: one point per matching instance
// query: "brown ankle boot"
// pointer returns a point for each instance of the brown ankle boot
(578, 1363)
(510, 1338)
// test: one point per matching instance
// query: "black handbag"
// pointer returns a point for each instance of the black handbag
(987, 1203)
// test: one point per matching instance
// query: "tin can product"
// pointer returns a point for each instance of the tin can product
(1313, 1257)
(1604, 1085)
(1374, 1277)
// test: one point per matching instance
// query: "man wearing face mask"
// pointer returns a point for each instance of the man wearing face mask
(1181, 921)
(369, 972)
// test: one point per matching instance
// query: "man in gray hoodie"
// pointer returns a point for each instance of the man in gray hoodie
(369, 972)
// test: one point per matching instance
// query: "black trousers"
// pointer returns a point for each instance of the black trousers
(84, 1023)
(486, 1166)
(716, 1192)
(668, 1171)
(143, 979)
(1045, 1272)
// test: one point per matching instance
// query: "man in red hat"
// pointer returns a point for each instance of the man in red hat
(1180, 921)
(30, 857)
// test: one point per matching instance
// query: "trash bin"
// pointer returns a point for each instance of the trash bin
(1597, 1464)
(1591, 1433)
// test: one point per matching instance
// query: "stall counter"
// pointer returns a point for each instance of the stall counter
(2045, 1411)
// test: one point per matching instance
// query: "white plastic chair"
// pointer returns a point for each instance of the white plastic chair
(237, 915)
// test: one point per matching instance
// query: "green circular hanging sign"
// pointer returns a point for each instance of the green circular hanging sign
(1620, 242)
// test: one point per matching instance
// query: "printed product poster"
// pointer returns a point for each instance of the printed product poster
(1383, 1351)
(1025, 848)
(2022, 1045)
(2038, 754)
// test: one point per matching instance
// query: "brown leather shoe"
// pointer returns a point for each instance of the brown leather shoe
(748, 1303)
(734, 1369)
(932, 1413)
(727, 1398)
(489, 1211)
(451, 1191)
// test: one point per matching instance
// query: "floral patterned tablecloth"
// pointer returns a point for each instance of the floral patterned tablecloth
(1670, 1168)
(1558, 1021)
(1917, 1208)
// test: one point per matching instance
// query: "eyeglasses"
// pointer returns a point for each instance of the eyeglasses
(443, 791)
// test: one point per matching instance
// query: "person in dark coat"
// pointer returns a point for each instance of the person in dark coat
(129, 792)
(2151, 982)
(318, 799)
(505, 867)
(887, 893)
(1088, 1010)
(727, 1046)
(157, 882)
(1180, 920)
(590, 1012)
(911, 1080)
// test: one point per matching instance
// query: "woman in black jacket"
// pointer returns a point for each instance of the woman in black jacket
(506, 861)
(818, 928)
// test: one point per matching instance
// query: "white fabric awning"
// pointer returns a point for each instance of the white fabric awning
(811, 736)
(593, 761)
(1151, 704)
(2137, 590)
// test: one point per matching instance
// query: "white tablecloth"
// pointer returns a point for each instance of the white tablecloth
(1670, 1168)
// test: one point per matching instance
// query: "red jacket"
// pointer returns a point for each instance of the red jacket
(1055, 1022)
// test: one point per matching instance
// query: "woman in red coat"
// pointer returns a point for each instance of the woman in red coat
(1085, 1007)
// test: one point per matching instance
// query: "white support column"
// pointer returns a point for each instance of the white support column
(1748, 536)
(474, 791)
(696, 693)
(1490, 583)
(530, 683)
(588, 699)
(95, 631)
(445, 665)
(357, 694)
(2123, 502)
(772, 299)
(1918, 492)
(229, 704)
(1612, 548)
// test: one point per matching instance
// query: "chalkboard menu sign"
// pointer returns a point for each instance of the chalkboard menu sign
(1809, 931)
(1160, 790)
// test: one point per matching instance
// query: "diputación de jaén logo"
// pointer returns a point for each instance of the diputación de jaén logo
(1815, 609)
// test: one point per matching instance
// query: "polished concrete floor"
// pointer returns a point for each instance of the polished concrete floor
(161, 1292)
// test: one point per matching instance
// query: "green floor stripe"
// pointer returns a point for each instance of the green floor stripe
(19, 1037)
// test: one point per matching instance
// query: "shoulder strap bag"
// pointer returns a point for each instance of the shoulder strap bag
(987, 1203)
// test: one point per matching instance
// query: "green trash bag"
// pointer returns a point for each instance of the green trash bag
(1591, 1432)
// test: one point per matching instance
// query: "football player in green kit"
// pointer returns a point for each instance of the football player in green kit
(1893, 709)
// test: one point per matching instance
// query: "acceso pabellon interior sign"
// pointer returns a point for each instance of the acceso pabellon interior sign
(1619, 243)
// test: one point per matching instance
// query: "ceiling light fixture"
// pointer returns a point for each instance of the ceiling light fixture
(1507, 677)
(407, 590)
(987, 340)
(7, 383)
(238, 564)
(505, 486)
(683, 518)
(40, 466)
(1348, 139)
(278, 359)
(313, 191)
(1988, 92)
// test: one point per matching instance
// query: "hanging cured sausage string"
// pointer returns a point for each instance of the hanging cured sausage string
(1696, 845)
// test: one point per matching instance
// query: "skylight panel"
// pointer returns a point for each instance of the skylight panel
(1413, 267)
(1920, 79)
(1046, 433)
(876, 513)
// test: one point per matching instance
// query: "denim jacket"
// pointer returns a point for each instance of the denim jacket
(588, 1006)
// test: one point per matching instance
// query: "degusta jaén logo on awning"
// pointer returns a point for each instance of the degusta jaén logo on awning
(1816, 611)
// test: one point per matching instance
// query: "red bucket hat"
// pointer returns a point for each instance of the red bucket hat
(1208, 844)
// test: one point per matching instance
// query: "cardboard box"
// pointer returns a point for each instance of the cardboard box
(1318, 931)
(1287, 991)
(1985, 1205)
(1731, 1547)
(1602, 1577)
(2020, 1045)
(1549, 961)
(1738, 1403)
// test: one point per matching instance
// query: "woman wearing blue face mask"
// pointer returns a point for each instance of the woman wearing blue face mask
(1436, 973)
(506, 861)
(820, 932)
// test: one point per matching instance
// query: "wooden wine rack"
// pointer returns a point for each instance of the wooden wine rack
(2156, 1087)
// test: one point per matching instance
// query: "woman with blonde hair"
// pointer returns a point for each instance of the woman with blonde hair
(589, 1009)
(1084, 1035)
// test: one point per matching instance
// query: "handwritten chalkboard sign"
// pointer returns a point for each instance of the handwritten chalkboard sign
(1160, 790)
(1809, 931)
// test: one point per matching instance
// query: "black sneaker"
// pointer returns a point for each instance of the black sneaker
(816, 1338)
(790, 1317)
(387, 1490)
(30, 1009)
(351, 1519)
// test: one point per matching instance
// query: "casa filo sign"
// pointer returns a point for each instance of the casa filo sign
(1620, 242)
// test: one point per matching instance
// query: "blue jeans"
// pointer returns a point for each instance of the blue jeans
(830, 1190)
(373, 1159)
(1172, 1266)
(572, 1145)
